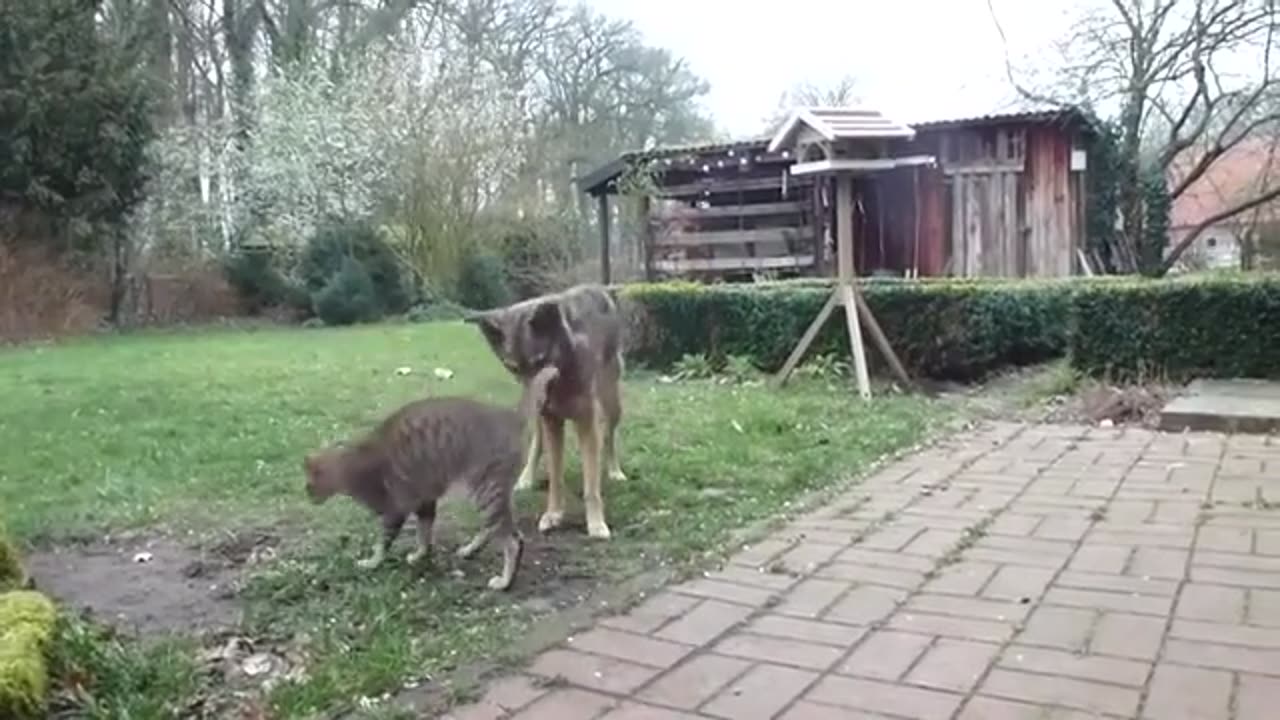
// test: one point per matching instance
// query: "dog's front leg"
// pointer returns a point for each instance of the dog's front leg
(592, 499)
(553, 438)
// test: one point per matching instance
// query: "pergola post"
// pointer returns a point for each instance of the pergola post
(602, 212)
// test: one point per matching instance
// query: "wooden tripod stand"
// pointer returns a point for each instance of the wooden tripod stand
(846, 293)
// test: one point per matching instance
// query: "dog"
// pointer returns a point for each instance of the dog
(579, 332)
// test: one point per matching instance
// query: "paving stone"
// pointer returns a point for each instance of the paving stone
(755, 597)
(1215, 603)
(886, 655)
(512, 693)
(694, 682)
(567, 704)
(865, 605)
(1264, 608)
(981, 608)
(1063, 628)
(1158, 562)
(1136, 637)
(1064, 692)
(652, 613)
(760, 694)
(592, 672)
(1109, 601)
(764, 578)
(810, 598)
(814, 631)
(1107, 582)
(963, 578)
(887, 698)
(1222, 657)
(953, 627)
(632, 648)
(1225, 539)
(804, 710)
(1076, 665)
(637, 711)
(704, 623)
(1256, 697)
(954, 665)
(985, 708)
(1092, 557)
(1226, 634)
(782, 651)
(1183, 693)
(872, 575)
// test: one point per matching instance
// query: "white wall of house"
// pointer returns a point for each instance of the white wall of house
(1217, 247)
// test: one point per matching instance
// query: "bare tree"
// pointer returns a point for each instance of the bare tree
(804, 94)
(1189, 79)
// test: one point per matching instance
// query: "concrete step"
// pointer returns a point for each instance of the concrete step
(1242, 406)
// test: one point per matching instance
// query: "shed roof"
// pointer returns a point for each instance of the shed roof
(595, 180)
(832, 123)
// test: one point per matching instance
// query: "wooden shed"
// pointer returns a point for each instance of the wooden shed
(1005, 198)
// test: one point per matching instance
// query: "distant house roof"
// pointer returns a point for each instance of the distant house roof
(834, 124)
(1235, 176)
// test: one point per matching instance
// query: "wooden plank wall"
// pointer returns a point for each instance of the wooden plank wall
(1014, 204)
(733, 219)
(1051, 216)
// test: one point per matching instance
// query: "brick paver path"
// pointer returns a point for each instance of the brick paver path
(1011, 573)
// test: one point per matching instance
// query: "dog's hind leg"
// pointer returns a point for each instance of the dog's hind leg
(589, 444)
(611, 404)
(553, 438)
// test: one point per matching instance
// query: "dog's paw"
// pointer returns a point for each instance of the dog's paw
(465, 552)
(616, 475)
(550, 521)
(499, 583)
(525, 481)
(369, 563)
(417, 556)
(598, 530)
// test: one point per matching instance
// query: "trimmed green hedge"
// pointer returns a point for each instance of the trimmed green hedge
(947, 329)
(1225, 326)
(1125, 328)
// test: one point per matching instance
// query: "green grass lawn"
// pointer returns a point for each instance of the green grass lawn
(205, 431)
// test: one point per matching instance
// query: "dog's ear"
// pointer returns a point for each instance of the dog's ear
(546, 319)
(490, 323)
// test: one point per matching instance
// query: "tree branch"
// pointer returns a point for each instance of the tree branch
(1205, 224)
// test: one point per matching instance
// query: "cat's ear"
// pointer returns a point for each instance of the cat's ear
(546, 319)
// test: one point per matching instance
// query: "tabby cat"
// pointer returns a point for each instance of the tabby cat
(406, 464)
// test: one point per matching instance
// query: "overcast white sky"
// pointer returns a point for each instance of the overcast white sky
(914, 59)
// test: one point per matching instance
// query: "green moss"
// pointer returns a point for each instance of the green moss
(26, 626)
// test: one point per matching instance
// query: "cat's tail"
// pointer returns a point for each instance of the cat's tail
(535, 394)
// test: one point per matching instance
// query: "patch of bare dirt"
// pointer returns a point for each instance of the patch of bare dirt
(1108, 405)
(152, 584)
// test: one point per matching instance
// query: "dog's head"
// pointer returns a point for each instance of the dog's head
(526, 338)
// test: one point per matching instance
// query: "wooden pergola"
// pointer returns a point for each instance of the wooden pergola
(843, 143)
